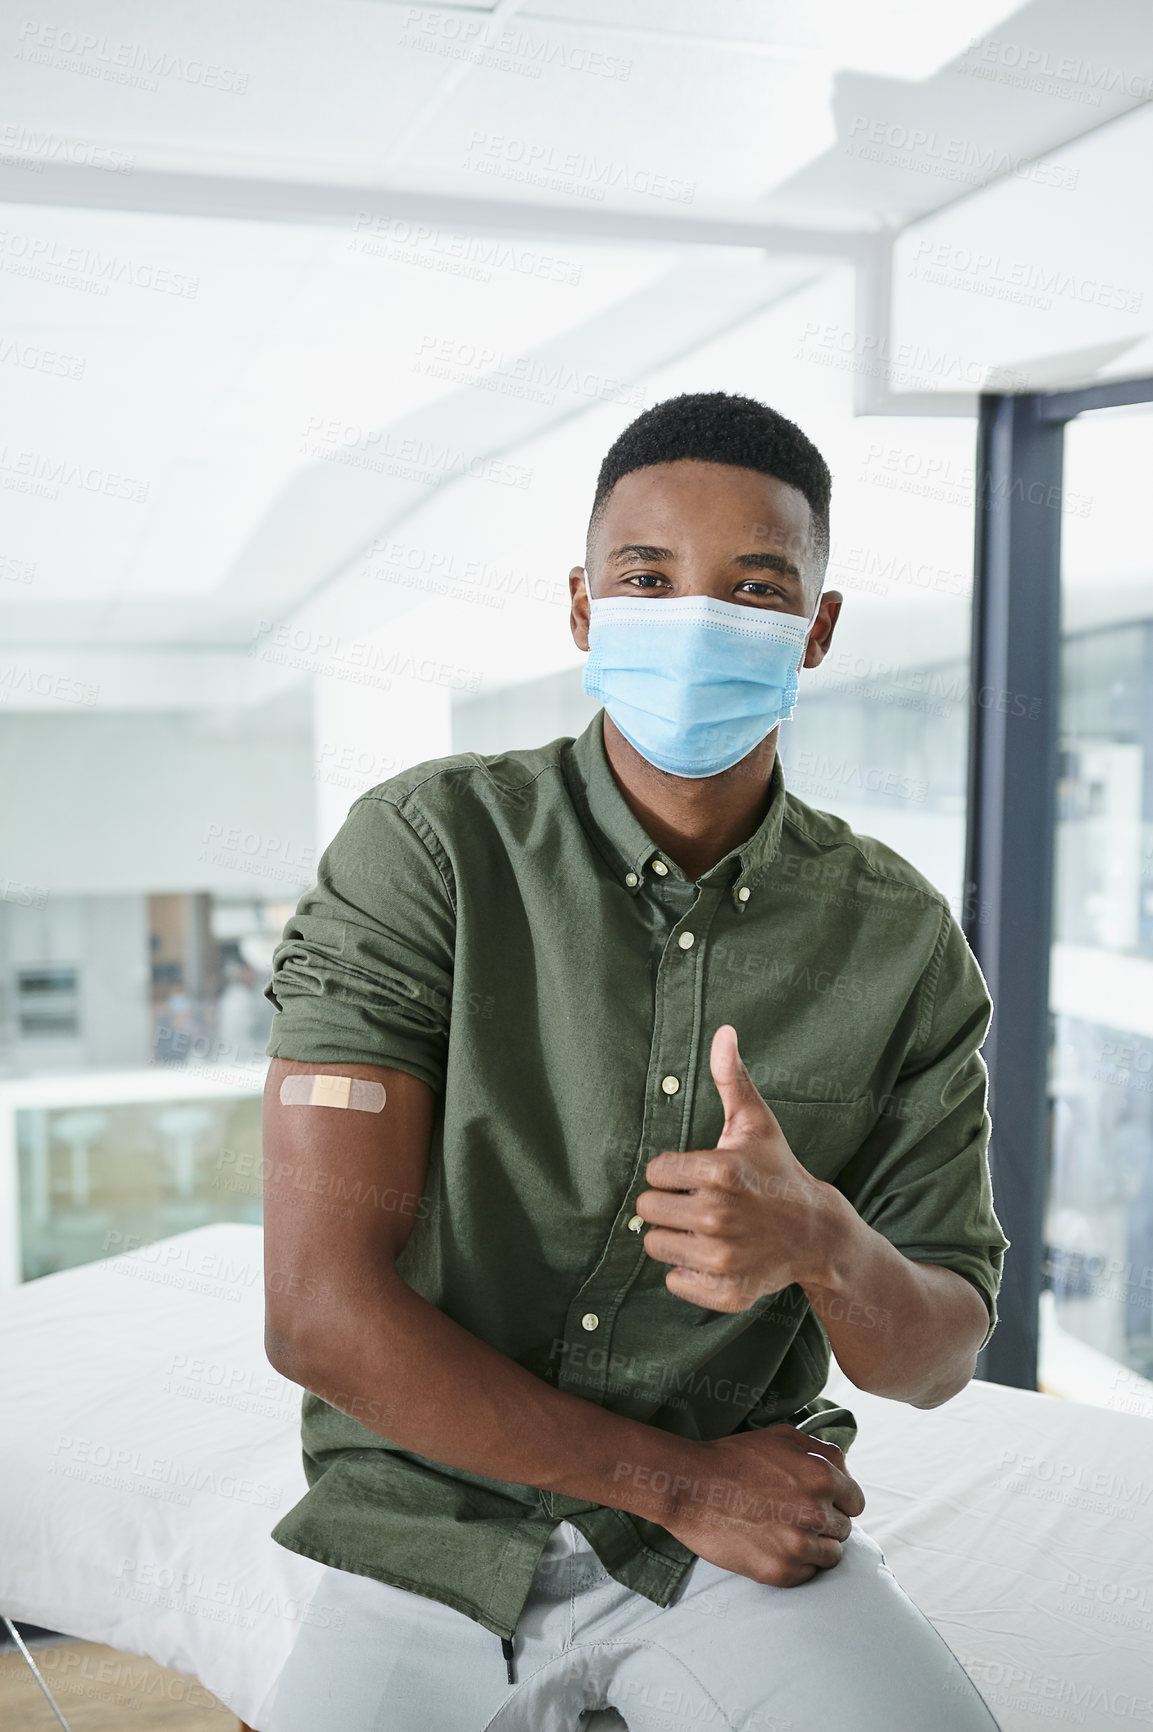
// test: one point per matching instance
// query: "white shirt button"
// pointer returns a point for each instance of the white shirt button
(670, 1084)
(687, 940)
(743, 893)
(630, 879)
(590, 1320)
(660, 868)
(636, 1223)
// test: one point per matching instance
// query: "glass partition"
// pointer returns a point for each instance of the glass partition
(1099, 1221)
(100, 1175)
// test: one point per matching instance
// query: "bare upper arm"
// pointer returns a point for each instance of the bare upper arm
(342, 1188)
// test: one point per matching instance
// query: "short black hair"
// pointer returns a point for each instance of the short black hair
(722, 427)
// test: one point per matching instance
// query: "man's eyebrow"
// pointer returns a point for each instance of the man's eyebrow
(638, 550)
(768, 562)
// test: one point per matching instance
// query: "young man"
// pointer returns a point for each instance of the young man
(653, 1084)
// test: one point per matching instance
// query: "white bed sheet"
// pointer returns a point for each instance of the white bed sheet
(1022, 1525)
(147, 1448)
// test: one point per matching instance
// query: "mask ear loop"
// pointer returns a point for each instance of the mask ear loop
(792, 690)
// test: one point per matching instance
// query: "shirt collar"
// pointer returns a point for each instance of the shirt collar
(631, 853)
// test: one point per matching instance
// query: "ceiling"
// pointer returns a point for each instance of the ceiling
(280, 281)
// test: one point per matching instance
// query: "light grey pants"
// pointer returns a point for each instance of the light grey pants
(847, 1649)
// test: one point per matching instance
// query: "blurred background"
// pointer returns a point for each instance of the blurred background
(317, 321)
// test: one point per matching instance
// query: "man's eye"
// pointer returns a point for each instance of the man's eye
(639, 577)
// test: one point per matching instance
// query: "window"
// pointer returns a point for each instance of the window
(1099, 1217)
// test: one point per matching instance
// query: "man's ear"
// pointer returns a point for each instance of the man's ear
(579, 616)
(821, 631)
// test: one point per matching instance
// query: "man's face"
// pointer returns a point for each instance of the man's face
(689, 528)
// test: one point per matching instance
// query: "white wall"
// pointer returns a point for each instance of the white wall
(527, 715)
(146, 802)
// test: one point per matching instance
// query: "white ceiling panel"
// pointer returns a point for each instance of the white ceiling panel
(246, 89)
(683, 129)
(905, 38)
(1026, 273)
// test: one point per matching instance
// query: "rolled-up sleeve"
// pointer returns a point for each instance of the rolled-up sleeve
(921, 1177)
(364, 970)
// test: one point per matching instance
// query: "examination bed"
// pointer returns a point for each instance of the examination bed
(147, 1448)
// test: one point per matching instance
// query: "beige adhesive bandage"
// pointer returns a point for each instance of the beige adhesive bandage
(333, 1091)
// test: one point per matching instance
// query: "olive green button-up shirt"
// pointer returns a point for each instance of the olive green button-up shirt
(503, 928)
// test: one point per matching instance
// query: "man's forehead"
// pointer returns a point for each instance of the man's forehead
(775, 532)
(765, 507)
(661, 530)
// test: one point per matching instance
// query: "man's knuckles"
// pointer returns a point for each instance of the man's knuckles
(712, 1217)
(721, 1258)
(777, 1575)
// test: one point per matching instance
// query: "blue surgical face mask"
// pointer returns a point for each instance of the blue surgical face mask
(692, 683)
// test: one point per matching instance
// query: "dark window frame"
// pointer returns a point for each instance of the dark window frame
(1011, 813)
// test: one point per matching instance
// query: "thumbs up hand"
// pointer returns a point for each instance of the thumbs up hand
(745, 1218)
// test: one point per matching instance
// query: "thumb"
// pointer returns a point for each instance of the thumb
(743, 1106)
